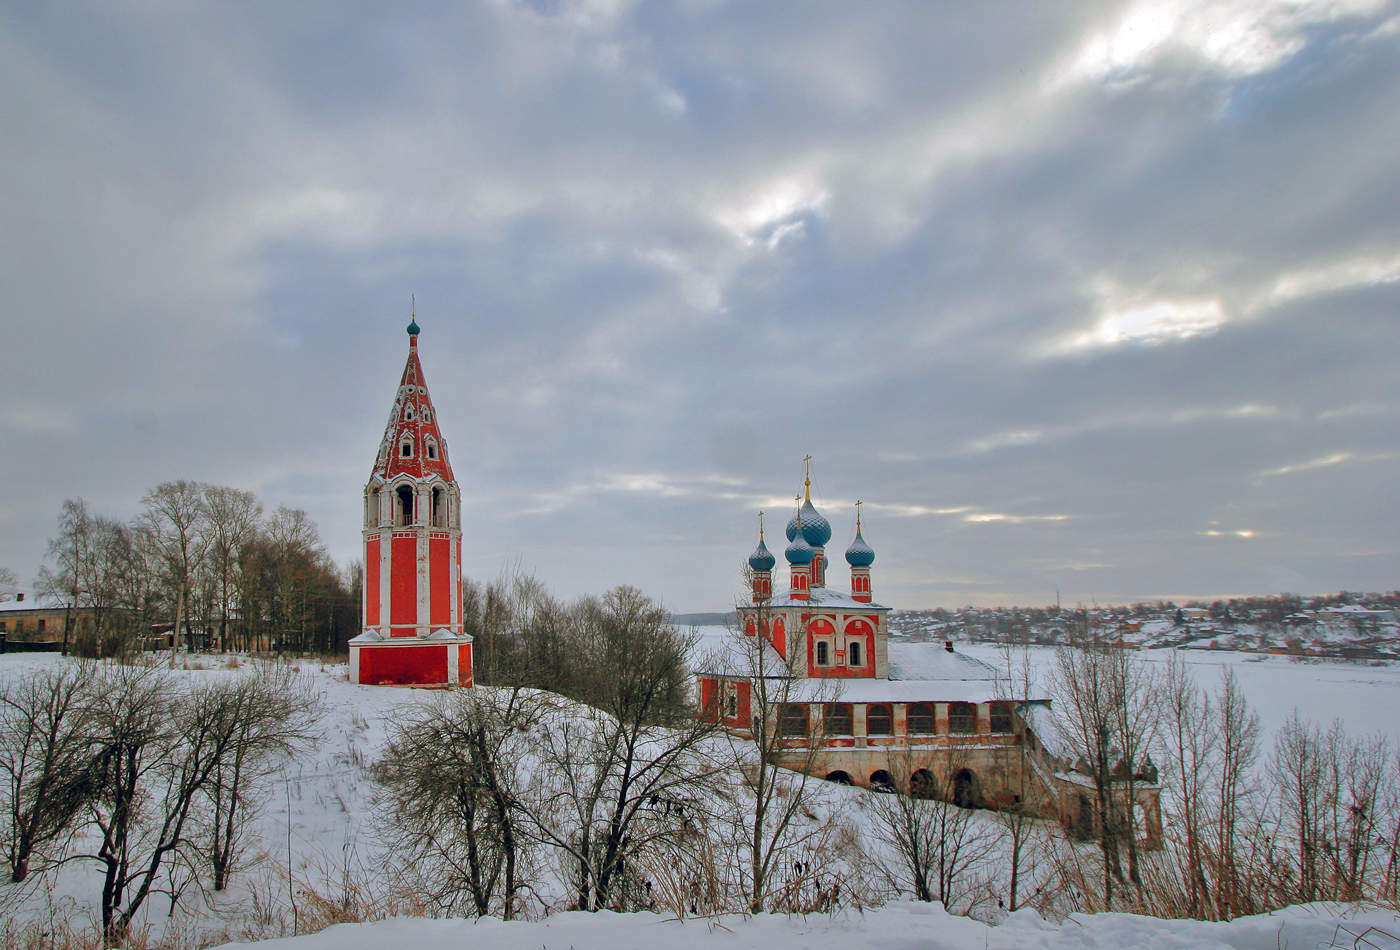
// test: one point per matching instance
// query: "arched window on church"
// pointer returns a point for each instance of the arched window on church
(406, 449)
(1000, 716)
(793, 719)
(962, 718)
(920, 719)
(837, 719)
(404, 505)
(853, 657)
(877, 720)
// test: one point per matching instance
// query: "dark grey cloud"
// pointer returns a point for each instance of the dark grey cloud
(1100, 299)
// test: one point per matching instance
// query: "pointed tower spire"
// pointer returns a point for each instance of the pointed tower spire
(860, 556)
(412, 443)
(761, 563)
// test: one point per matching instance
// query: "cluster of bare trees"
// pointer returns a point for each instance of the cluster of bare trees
(485, 790)
(1249, 827)
(206, 559)
(149, 780)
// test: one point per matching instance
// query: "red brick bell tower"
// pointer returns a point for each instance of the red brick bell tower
(413, 550)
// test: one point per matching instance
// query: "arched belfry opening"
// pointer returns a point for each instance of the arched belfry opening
(439, 508)
(403, 505)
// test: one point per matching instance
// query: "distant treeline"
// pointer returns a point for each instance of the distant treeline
(205, 562)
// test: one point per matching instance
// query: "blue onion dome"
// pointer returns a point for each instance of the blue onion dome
(762, 559)
(860, 554)
(799, 553)
(815, 528)
(413, 327)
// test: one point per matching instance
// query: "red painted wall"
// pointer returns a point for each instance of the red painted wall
(708, 703)
(390, 666)
(440, 589)
(403, 585)
(372, 581)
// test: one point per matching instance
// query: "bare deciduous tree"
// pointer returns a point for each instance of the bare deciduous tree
(232, 516)
(44, 734)
(1298, 769)
(155, 754)
(619, 777)
(776, 755)
(264, 715)
(1191, 745)
(175, 524)
(937, 843)
(1016, 684)
(1237, 746)
(451, 776)
(1107, 705)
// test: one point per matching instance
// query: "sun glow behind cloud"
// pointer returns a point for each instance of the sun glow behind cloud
(1234, 38)
(1149, 323)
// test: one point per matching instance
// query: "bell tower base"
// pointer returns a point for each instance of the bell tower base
(439, 659)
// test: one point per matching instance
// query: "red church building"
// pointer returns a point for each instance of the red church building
(845, 704)
(412, 604)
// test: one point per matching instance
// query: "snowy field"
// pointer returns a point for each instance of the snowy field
(900, 926)
(1365, 697)
(317, 821)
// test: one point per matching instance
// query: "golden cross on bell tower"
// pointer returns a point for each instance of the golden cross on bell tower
(858, 504)
(807, 478)
(760, 525)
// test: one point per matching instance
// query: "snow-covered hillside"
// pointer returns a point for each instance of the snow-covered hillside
(899, 926)
(316, 849)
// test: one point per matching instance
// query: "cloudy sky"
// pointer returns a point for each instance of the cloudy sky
(1100, 296)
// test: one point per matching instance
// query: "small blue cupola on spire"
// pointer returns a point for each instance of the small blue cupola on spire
(859, 554)
(762, 559)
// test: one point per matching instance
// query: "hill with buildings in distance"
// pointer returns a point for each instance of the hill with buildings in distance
(1345, 625)
(711, 619)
